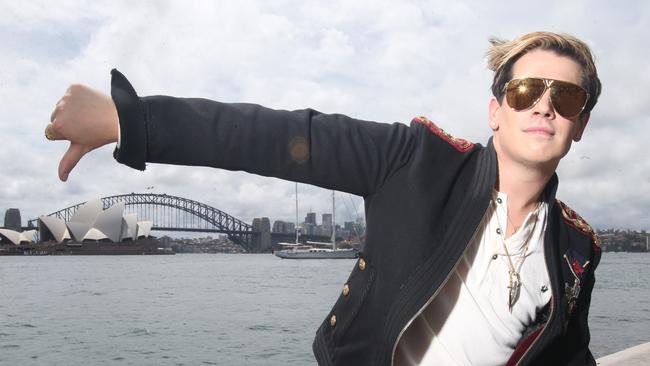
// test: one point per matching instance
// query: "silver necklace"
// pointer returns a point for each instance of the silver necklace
(514, 279)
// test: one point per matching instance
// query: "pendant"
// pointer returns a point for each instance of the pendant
(572, 293)
(513, 293)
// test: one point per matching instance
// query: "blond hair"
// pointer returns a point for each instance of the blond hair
(502, 55)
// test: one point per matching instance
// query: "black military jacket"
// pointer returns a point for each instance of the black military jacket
(425, 194)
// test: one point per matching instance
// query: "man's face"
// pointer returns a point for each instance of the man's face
(538, 136)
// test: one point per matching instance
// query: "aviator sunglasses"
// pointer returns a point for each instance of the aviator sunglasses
(568, 99)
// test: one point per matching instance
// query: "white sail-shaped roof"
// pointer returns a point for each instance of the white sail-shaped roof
(88, 211)
(144, 228)
(12, 236)
(109, 221)
(94, 234)
(130, 226)
(16, 238)
(56, 226)
(78, 230)
(28, 235)
(84, 218)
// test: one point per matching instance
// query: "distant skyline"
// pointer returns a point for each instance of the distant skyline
(385, 61)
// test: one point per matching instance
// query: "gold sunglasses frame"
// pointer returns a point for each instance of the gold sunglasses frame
(547, 85)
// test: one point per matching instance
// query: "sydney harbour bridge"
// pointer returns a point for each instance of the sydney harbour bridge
(178, 214)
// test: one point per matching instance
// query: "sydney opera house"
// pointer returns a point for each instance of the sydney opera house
(15, 237)
(90, 226)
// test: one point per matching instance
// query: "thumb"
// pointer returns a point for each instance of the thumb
(70, 160)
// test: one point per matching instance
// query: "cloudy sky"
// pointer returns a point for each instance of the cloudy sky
(379, 60)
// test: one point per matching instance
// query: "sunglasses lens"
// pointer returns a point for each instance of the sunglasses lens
(522, 94)
(568, 99)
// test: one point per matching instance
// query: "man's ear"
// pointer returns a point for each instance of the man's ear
(494, 108)
(581, 125)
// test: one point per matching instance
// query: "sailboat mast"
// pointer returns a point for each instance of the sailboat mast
(296, 212)
(333, 222)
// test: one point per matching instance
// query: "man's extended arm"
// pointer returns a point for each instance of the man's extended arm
(332, 151)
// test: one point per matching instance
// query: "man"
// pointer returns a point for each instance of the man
(486, 267)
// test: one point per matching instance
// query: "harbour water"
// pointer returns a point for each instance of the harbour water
(223, 309)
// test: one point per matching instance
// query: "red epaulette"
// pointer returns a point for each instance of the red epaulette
(574, 220)
(459, 144)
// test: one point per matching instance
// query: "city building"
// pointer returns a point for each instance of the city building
(283, 227)
(12, 219)
(311, 218)
(327, 224)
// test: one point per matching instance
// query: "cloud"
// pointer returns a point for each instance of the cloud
(386, 61)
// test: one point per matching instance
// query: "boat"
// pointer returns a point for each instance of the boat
(315, 250)
(311, 252)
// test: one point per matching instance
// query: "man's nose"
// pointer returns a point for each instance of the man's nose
(545, 106)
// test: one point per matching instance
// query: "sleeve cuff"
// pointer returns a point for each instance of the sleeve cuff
(131, 147)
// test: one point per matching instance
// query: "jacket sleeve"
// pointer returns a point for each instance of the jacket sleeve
(328, 150)
(576, 340)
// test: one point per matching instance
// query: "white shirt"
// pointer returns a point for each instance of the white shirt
(469, 322)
